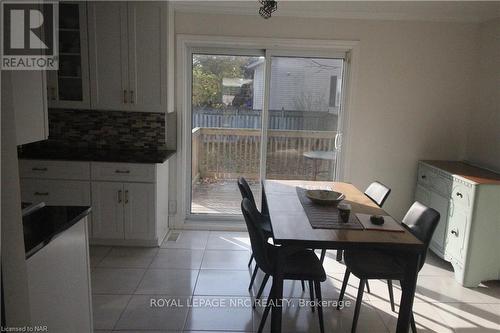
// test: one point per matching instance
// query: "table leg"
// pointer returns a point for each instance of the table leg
(408, 287)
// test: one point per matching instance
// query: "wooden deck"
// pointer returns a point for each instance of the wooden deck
(221, 197)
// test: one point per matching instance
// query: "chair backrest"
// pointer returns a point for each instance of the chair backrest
(258, 241)
(245, 190)
(377, 192)
(422, 221)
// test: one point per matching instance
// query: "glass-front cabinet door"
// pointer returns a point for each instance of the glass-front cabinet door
(68, 87)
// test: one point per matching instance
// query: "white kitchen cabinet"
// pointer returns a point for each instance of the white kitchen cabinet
(467, 197)
(59, 282)
(129, 200)
(128, 55)
(68, 87)
(123, 210)
(56, 192)
(107, 210)
(108, 55)
(139, 207)
(29, 100)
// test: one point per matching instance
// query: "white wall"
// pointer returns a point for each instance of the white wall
(415, 87)
(483, 144)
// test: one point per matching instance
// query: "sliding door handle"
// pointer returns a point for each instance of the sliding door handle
(125, 96)
(338, 141)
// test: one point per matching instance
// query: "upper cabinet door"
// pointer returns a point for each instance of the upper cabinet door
(29, 101)
(148, 37)
(108, 55)
(69, 86)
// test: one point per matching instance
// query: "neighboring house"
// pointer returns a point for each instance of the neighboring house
(231, 87)
(299, 84)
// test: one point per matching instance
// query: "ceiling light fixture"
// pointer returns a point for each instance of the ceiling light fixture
(268, 7)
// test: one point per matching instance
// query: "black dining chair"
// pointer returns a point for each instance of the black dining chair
(265, 225)
(421, 221)
(296, 263)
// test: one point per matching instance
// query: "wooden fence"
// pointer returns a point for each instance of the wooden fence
(227, 153)
(278, 119)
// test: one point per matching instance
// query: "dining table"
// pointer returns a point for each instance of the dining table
(291, 227)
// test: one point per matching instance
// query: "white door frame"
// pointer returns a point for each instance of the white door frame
(185, 45)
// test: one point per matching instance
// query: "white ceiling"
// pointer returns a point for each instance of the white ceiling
(459, 11)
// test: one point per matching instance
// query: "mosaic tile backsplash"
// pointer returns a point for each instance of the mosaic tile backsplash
(107, 129)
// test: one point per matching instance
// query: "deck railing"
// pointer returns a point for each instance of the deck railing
(227, 153)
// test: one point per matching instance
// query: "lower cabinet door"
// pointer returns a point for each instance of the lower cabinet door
(456, 246)
(139, 219)
(439, 203)
(107, 210)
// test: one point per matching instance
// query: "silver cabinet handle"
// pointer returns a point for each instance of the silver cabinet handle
(125, 96)
(42, 193)
(120, 196)
(122, 171)
(39, 169)
(132, 101)
(126, 196)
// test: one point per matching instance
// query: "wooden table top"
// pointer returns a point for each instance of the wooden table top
(291, 226)
(467, 171)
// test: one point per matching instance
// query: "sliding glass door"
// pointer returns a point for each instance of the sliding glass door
(303, 118)
(239, 100)
(226, 130)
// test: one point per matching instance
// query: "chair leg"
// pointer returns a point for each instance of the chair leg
(323, 254)
(262, 286)
(250, 261)
(339, 255)
(303, 285)
(391, 294)
(253, 277)
(317, 285)
(367, 287)
(266, 310)
(311, 294)
(344, 286)
(359, 300)
(413, 325)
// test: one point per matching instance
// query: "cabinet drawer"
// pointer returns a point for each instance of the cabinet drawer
(56, 192)
(54, 169)
(462, 195)
(128, 172)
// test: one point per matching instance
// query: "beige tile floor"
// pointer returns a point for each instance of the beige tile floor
(209, 270)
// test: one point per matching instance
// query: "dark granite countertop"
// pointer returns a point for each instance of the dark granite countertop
(47, 150)
(43, 224)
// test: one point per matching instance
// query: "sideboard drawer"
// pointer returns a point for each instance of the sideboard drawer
(462, 195)
(54, 169)
(56, 192)
(127, 172)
